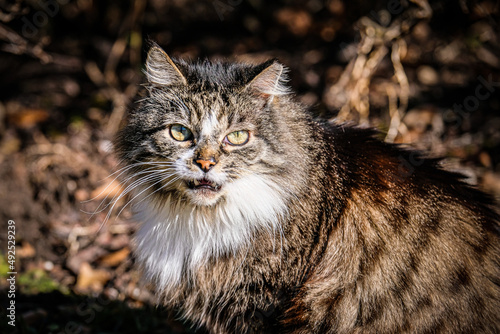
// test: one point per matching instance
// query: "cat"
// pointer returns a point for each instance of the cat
(257, 218)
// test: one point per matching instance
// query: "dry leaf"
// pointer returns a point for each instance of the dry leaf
(109, 190)
(89, 278)
(115, 258)
(26, 250)
(28, 117)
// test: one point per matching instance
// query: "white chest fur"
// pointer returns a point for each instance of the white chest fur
(176, 236)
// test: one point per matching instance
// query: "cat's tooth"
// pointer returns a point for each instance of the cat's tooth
(196, 182)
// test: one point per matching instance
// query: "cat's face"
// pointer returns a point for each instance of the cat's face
(201, 137)
(212, 144)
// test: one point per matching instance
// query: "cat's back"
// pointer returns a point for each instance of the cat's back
(413, 248)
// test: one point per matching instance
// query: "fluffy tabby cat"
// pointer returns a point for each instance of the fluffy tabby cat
(258, 219)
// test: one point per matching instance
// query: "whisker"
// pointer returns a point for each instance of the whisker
(159, 189)
(152, 174)
(116, 199)
(120, 171)
(152, 185)
(99, 209)
(125, 169)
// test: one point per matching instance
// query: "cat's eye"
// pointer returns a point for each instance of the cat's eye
(238, 138)
(180, 132)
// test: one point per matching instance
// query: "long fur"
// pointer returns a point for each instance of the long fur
(316, 228)
(176, 237)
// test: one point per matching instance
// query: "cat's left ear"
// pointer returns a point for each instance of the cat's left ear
(161, 70)
(271, 81)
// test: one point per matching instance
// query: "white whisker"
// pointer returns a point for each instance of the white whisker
(124, 170)
(104, 207)
(147, 178)
(159, 189)
(144, 190)
(154, 171)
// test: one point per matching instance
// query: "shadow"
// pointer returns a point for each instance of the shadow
(59, 313)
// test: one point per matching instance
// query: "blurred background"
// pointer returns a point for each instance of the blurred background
(426, 74)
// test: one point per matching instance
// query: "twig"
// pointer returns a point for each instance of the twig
(109, 79)
(19, 45)
(351, 92)
(397, 113)
(11, 11)
(112, 92)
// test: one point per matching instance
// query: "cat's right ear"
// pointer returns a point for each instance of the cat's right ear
(270, 81)
(161, 70)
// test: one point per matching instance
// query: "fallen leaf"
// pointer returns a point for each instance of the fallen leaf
(485, 159)
(93, 279)
(26, 250)
(28, 117)
(115, 258)
(108, 190)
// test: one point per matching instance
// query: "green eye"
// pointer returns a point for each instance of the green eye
(180, 132)
(238, 137)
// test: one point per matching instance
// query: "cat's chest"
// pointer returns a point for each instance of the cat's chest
(256, 291)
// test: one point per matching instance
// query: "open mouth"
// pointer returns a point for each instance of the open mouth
(204, 184)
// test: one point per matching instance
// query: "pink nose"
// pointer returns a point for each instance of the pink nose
(206, 165)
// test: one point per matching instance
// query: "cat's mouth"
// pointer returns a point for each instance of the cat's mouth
(204, 184)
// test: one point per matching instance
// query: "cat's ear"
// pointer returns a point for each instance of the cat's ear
(271, 81)
(161, 70)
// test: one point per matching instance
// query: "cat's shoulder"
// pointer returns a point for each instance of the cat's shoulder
(371, 161)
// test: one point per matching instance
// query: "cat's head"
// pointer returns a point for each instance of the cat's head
(208, 133)
(213, 153)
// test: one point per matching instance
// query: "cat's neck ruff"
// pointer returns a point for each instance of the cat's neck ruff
(176, 236)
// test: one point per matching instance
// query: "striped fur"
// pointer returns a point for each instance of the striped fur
(317, 228)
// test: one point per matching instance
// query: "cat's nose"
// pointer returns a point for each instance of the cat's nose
(206, 163)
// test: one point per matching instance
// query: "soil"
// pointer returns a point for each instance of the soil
(71, 70)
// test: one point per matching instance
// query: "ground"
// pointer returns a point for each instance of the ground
(425, 76)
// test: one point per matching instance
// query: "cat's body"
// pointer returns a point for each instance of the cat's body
(257, 219)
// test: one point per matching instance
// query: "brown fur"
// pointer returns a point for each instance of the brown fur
(366, 252)
(377, 239)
